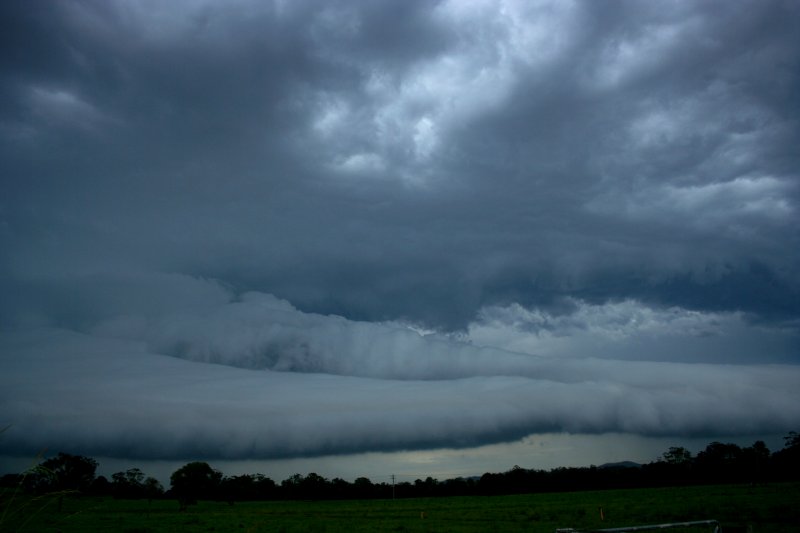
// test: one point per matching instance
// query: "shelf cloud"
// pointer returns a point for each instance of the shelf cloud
(256, 378)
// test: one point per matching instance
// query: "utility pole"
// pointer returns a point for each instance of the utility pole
(393, 486)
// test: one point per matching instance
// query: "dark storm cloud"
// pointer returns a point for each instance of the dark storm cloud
(507, 154)
(586, 181)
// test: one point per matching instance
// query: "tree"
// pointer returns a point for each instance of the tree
(677, 455)
(719, 462)
(195, 481)
(239, 488)
(755, 460)
(152, 488)
(290, 487)
(100, 486)
(786, 462)
(128, 484)
(362, 488)
(426, 488)
(674, 467)
(313, 486)
(265, 487)
(64, 472)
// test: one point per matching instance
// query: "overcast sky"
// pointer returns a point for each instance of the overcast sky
(254, 230)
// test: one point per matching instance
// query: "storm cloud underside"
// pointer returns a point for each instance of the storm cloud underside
(279, 229)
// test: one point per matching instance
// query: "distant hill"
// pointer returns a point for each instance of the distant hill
(621, 464)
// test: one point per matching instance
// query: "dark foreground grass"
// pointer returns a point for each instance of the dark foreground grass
(768, 508)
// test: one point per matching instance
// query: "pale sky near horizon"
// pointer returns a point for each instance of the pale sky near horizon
(542, 452)
(331, 233)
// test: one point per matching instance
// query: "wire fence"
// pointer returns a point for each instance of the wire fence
(652, 527)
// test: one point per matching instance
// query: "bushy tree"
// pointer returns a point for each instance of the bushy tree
(239, 488)
(313, 486)
(719, 463)
(363, 488)
(786, 462)
(100, 487)
(129, 485)
(195, 481)
(677, 455)
(63, 472)
(133, 485)
(755, 461)
(152, 488)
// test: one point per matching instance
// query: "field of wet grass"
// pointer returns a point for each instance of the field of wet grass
(766, 508)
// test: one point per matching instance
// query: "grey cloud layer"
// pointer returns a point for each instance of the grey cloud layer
(218, 213)
(515, 153)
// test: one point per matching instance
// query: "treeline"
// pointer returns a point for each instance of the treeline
(718, 463)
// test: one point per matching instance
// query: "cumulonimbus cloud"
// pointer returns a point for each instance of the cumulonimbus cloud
(590, 193)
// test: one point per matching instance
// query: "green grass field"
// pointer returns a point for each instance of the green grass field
(769, 508)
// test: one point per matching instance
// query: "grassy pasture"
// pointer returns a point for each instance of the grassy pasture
(769, 508)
